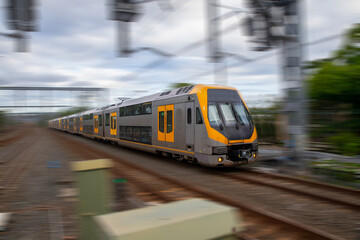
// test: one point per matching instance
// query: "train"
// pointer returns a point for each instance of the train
(207, 124)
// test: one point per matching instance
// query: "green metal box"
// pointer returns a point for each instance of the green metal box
(94, 193)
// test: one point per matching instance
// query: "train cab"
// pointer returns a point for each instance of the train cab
(231, 137)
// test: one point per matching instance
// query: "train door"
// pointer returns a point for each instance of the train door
(190, 126)
(96, 124)
(81, 124)
(166, 123)
(113, 123)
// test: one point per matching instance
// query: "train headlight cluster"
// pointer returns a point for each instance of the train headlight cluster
(220, 159)
(254, 155)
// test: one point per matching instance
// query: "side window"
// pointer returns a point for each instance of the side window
(129, 111)
(122, 111)
(161, 121)
(91, 116)
(122, 132)
(136, 134)
(189, 115)
(145, 135)
(147, 108)
(111, 122)
(137, 109)
(114, 126)
(169, 117)
(198, 116)
(128, 133)
(107, 119)
(100, 120)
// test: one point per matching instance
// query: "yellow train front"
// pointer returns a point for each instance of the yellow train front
(224, 132)
(208, 124)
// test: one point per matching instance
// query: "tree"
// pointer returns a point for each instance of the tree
(334, 91)
(337, 80)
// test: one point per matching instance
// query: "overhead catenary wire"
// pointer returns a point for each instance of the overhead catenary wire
(256, 59)
(163, 15)
(182, 50)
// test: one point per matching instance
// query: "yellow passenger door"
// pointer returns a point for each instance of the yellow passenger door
(113, 123)
(96, 124)
(81, 124)
(166, 123)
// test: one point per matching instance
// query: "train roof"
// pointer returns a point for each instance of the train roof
(157, 96)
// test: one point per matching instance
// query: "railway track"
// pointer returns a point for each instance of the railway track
(346, 197)
(15, 136)
(260, 223)
(15, 166)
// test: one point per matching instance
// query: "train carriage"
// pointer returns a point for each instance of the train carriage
(205, 123)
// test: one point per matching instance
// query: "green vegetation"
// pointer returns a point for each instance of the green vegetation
(2, 120)
(344, 171)
(334, 90)
(72, 111)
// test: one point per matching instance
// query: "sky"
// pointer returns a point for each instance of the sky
(77, 47)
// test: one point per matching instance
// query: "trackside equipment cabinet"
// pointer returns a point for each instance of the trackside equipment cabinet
(93, 183)
(188, 219)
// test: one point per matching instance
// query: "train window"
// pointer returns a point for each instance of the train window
(91, 116)
(242, 113)
(128, 133)
(122, 111)
(189, 115)
(122, 132)
(169, 125)
(161, 121)
(146, 135)
(100, 120)
(107, 119)
(198, 116)
(228, 114)
(129, 111)
(136, 134)
(146, 108)
(136, 109)
(214, 117)
(114, 124)
(111, 122)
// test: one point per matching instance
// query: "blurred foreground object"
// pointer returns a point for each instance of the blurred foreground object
(94, 193)
(21, 16)
(334, 91)
(125, 12)
(187, 219)
(278, 23)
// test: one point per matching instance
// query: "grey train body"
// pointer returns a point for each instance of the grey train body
(205, 123)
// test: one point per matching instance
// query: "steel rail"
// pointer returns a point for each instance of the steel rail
(346, 190)
(320, 234)
(342, 202)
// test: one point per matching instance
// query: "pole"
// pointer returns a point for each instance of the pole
(214, 45)
(293, 79)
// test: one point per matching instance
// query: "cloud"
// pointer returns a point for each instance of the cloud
(76, 46)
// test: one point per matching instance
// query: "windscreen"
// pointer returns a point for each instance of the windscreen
(228, 114)
(214, 117)
(242, 113)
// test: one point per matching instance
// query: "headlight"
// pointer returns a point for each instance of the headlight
(220, 159)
